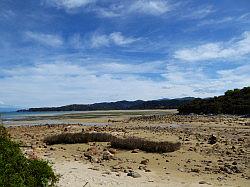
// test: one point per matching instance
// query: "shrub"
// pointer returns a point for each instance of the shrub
(122, 143)
(17, 170)
(3, 132)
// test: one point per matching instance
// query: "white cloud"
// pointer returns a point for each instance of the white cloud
(62, 83)
(44, 39)
(113, 67)
(153, 7)
(70, 4)
(99, 40)
(124, 8)
(119, 39)
(198, 13)
(116, 38)
(240, 75)
(220, 50)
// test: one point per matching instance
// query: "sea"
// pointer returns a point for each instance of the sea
(5, 116)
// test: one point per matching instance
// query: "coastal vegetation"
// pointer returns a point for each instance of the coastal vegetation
(17, 170)
(236, 102)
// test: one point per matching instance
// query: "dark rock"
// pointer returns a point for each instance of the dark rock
(134, 174)
(145, 162)
(212, 139)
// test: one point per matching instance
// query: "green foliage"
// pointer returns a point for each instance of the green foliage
(3, 132)
(18, 171)
(235, 101)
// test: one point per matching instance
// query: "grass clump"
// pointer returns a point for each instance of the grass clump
(18, 171)
(145, 145)
(128, 143)
(72, 138)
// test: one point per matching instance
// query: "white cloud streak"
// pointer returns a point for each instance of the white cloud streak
(115, 38)
(220, 50)
(45, 39)
(153, 7)
(70, 4)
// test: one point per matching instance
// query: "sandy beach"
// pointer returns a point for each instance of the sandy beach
(196, 163)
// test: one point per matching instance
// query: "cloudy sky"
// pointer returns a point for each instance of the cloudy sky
(57, 52)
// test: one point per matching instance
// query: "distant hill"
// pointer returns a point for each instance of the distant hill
(119, 105)
(235, 101)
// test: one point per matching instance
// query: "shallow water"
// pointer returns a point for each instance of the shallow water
(50, 122)
(23, 115)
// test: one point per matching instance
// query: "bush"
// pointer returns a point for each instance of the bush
(17, 170)
(120, 143)
(3, 132)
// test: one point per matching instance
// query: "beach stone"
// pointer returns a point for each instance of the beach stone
(134, 174)
(195, 170)
(93, 150)
(88, 155)
(135, 151)
(145, 162)
(106, 155)
(212, 139)
(52, 149)
(112, 151)
(202, 182)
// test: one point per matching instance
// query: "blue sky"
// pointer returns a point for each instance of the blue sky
(57, 52)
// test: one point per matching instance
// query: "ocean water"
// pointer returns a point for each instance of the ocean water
(5, 116)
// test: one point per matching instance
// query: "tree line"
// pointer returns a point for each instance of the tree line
(235, 101)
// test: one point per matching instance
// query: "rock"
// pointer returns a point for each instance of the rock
(96, 168)
(202, 182)
(135, 151)
(94, 159)
(181, 169)
(147, 170)
(106, 173)
(212, 139)
(195, 170)
(134, 174)
(220, 178)
(145, 162)
(118, 174)
(234, 163)
(88, 155)
(142, 167)
(112, 151)
(93, 150)
(106, 155)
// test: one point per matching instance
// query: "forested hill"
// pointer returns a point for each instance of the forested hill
(119, 105)
(235, 101)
